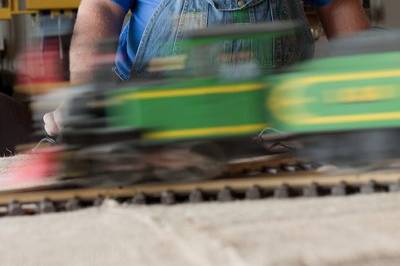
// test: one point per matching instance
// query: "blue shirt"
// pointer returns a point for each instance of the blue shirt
(142, 10)
(318, 2)
(129, 41)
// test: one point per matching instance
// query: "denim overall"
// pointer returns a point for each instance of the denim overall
(173, 18)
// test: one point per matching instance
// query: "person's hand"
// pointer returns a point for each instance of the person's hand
(52, 123)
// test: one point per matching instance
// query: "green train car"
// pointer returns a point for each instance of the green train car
(343, 109)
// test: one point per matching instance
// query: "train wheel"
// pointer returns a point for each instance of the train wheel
(353, 148)
(186, 162)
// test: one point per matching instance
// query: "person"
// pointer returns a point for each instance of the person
(153, 23)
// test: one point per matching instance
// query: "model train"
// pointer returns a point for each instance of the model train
(342, 109)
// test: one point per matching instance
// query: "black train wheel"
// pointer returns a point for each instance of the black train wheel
(128, 163)
(186, 161)
(353, 148)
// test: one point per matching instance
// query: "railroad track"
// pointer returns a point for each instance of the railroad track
(248, 180)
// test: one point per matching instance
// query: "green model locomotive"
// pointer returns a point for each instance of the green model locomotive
(342, 109)
(213, 115)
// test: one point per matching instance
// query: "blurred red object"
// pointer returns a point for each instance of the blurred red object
(33, 169)
(39, 69)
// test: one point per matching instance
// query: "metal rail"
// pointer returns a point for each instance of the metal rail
(260, 186)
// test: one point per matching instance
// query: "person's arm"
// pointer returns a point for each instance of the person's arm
(343, 17)
(96, 20)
